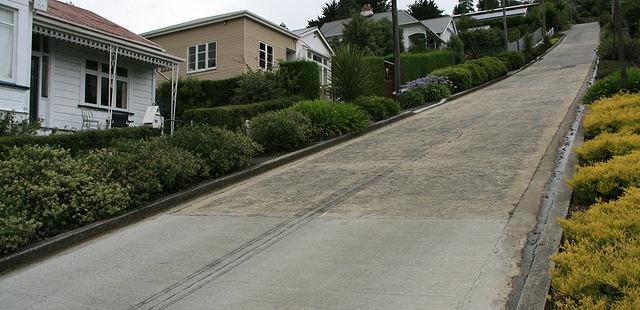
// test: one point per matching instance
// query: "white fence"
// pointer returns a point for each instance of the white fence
(536, 39)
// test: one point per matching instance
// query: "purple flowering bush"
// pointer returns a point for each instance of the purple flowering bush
(427, 89)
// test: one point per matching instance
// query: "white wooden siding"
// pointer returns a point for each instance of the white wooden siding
(12, 98)
(67, 86)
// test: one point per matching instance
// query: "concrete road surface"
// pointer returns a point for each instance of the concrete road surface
(423, 214)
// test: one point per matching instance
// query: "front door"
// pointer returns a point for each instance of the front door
(34, 96)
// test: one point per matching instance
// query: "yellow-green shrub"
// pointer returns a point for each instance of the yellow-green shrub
(612, 114)
(607, 145)
(606, 180)
(600, 265)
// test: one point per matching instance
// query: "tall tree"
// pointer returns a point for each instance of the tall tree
(341, 9)
(424, 9)
(330, 11)
(463, 7)
(488, 4)
(374, 37)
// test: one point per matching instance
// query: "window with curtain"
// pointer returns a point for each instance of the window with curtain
(7, 43)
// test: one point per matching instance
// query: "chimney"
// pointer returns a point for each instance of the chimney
(367, 10)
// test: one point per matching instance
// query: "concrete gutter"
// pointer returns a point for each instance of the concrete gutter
(74, 237)
(532, 286)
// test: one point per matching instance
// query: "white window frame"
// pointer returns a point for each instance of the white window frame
(14, 58)
(100, 74)
(206, 57)
(266, 56)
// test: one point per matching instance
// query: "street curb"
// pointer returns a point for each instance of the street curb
(74, 237)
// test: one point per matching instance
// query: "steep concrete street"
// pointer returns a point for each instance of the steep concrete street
(423, 214)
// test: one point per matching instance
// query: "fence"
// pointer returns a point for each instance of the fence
(536, 39)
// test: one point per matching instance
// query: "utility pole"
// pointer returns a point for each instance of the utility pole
(617, 22)
(544, 18)
(396, 47)
(504, 22)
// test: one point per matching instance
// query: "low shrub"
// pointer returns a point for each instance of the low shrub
(513, 60)
(45, 191)
(607, 145)
(607, 180)
(459, 75)
(233, 117)
(612, 114)
(81, 141)
(223, 151)
(283, 130)
(598, 267)
(478, 74)
(378, 108)
(260, 85)
(148, 169)
(11, 126)
(498, 67)
(424, 94)
(610, 85)
(333, 119)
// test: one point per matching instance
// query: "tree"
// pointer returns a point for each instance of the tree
(341, 9)
(424, 9)
(373, 37)
(463, 7)
(488, 4)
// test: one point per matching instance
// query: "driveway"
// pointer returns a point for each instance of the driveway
(422, 214)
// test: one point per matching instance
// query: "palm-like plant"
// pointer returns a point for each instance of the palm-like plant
(351, 75)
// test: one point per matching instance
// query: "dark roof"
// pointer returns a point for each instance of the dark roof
(336, 27)
(90, 20)
(437, 25)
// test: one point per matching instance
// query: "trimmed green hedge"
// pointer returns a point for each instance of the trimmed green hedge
(493, 66)
(378, 108)
(478, 74)
(459, 75)
(193, 93)
(513, 60)
(308, 75)
(234, 116)
(376, 65)
(81, 141)
(414, 66)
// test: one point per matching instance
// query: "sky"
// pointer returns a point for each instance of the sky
(145, 15)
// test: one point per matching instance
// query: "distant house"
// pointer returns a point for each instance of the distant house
(60, 63)
(413, 31)
(313, 46)
(511, 11)
(443, 27)
(226, 45)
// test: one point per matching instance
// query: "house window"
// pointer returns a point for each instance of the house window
(202, 56)
(44, 91)
(266, 56)
(7, 43)
(96, 85)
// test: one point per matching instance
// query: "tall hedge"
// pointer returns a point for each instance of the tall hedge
(413, 66)
(194, 93)
(308, 75)
(233, 116)
(376, 64)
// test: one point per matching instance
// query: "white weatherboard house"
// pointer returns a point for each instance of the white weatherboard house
(74, 69)
(313, 46)
(443, 27)
(411, 27)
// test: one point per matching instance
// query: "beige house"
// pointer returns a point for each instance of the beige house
(227, 45)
